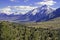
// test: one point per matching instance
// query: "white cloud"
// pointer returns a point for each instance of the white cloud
(16, 9)
(6, 11)
(18, 0)
(47, 2)
(14, 0)
(25, 0)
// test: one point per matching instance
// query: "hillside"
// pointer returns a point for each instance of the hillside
(48, 30)
(54, 23)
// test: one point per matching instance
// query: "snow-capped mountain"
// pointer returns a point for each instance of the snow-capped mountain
(43, 13)
(39, 13)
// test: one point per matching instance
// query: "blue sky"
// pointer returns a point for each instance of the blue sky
(23, 6)
(5, 3)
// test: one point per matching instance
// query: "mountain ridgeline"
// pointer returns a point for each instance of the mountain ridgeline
(43, 13)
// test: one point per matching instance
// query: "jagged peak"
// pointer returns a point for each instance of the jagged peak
(42, 8)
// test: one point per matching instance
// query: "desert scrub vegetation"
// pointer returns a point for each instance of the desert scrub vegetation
(14, 31)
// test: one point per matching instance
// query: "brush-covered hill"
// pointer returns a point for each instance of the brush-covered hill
(54, 23)
(49, 30)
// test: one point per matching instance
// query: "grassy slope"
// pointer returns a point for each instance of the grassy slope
(54, 23)
(15, 31)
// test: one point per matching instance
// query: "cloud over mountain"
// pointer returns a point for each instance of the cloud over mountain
(46, 2)
(16, 9)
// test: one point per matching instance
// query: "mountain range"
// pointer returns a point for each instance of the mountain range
(43, 13)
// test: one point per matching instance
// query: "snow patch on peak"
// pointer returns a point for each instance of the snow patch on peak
(42, 9)
(35, 11)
